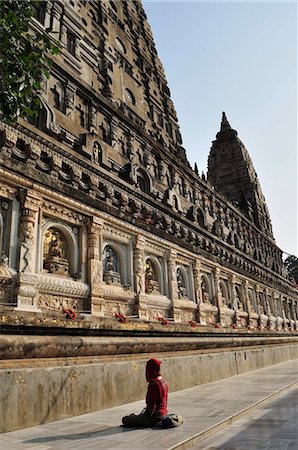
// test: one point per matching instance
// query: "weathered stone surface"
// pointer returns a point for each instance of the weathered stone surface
(25, 347)
(35, 392)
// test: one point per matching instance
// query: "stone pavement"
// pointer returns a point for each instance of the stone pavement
(273, 427)
(206, 408)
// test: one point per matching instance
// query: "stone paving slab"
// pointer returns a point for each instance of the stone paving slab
(273, 427)
(206, 409)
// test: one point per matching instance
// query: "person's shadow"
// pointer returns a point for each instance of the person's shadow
(107, 431)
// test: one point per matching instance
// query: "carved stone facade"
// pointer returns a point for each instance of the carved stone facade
(100, 209)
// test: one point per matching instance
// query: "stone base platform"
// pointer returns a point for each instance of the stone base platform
(207, 409)
(45, 378)
(52, 368)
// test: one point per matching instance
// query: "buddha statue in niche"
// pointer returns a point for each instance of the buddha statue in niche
(151, 284)
(182, 292)
(55, 252)
(111, 274)
(205, 293)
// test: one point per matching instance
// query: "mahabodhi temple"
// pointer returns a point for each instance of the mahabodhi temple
(112, 246)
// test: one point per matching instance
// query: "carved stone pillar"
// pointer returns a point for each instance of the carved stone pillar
(26, 291)
(216, 274)
(48, 7)
(95, 266)
(197, 281)
(70, 90)
(259, 306)
(246, 301)
(268, 310)
(140, 277)
(241, 314)
(198, 289)
(272, 312)
(173, 292)
(294, 310)
(92, 118)
(56, 14)
(63, 34)
(232, 281)
(295, 313)
(113, 138)
(264, 310)
(285, 313)
(279, 313)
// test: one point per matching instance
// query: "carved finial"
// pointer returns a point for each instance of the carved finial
(224, 123)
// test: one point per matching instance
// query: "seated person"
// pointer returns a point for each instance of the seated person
(156, 399)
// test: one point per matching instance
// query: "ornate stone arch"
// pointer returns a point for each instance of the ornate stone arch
(225, 295)
(206, 289)
(182, 282)
(50, 229)
(252, 300)
(153, 276)
(262, 302)
(114, 263)
(239, 297)
(201, 217)
(45, 117)
(173, 199)
(143, 180)
(234, 239)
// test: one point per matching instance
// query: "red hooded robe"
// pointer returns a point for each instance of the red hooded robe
(157, 393)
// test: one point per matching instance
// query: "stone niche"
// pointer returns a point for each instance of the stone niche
(111, 266)
(6, 281)
(117, 292)
(208, 310)
(55, 252)
(152, 284)
(152, 302)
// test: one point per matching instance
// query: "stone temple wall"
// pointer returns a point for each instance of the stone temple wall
(104, 257)
(100, 210)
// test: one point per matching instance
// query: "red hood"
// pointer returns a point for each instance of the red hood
(152, 369)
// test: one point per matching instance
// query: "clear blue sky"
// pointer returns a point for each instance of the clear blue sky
(241, 58)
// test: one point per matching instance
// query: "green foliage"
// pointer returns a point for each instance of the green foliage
(24, 61)
(291, 264)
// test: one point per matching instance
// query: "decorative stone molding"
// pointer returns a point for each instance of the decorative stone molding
(65, 214)
(50, 284)
(52, 302)
(7, 191)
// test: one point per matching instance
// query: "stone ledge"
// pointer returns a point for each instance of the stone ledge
(13, 321)
(32, 346)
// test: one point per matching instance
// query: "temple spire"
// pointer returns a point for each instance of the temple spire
(226, 131)
(231, 172)
(224, 126)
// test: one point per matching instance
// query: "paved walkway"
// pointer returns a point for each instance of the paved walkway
(206, 408)
(273, 427)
